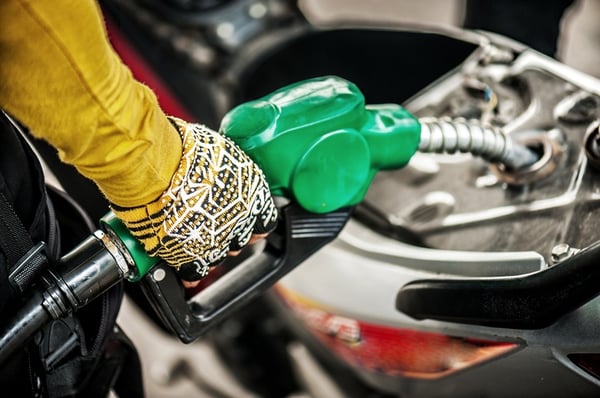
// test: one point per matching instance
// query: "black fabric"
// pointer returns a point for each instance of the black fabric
(15, 241)
(21, 183)
(21, 179)
(93, 353)
(81, 355)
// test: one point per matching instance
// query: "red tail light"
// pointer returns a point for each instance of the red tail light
(389, 350)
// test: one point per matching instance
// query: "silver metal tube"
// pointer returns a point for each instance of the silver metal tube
(489, 143)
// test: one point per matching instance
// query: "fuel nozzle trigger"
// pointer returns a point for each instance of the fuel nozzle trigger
(298, 236)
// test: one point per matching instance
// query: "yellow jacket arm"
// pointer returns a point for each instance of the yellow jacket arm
(60, 77)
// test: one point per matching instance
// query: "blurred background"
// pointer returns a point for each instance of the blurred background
(578, 44)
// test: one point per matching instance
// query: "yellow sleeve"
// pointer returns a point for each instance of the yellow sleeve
(60, 77)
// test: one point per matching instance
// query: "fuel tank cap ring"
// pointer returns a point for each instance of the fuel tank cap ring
(550, 153)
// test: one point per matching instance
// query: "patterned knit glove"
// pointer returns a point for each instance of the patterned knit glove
(217, 199)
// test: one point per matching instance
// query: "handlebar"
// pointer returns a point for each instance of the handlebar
(530, 301)
(299, 235)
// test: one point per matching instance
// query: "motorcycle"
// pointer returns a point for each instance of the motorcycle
(455, 276)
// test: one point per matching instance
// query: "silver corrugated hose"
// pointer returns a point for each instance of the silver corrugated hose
(460, 135)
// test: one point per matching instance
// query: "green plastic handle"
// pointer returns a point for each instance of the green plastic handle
(318, 143)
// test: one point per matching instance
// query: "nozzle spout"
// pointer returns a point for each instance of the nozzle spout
(487, 142)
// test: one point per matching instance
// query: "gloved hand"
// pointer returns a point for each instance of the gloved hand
(217, 199)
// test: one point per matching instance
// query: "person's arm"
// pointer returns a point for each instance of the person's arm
(190, 195)
(60, 77)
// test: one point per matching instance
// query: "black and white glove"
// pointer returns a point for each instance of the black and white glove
(217, 200)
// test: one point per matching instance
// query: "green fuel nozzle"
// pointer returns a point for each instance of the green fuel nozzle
(318, 143)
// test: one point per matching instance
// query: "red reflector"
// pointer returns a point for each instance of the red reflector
(588, 362)
(389, 350)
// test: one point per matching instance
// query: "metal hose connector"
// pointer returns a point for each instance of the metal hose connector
(444, 135)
